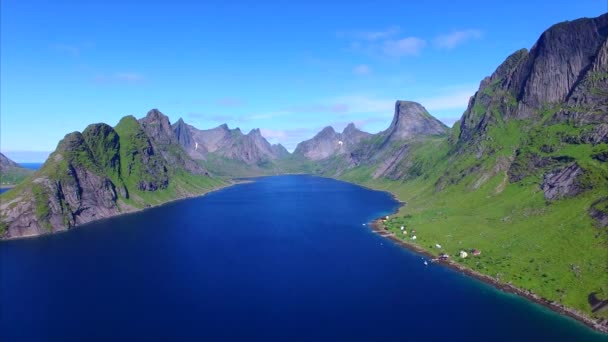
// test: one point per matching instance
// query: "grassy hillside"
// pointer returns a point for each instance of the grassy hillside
(13, 176)
(493, 202)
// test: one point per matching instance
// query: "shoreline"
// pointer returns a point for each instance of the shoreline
(377, 226)
(135, 211)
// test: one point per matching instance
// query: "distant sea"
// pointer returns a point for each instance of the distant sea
(281, 259)
(31, 166)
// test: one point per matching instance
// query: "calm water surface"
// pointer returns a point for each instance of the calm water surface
(283, 258)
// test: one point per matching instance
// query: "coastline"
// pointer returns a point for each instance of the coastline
(128, 212)
(378, 227)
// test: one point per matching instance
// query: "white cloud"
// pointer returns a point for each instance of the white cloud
(458, 99)
(289, 138)
(362, 69)
(67, 49)
(453, 39)
(263, 116)
(410, 46)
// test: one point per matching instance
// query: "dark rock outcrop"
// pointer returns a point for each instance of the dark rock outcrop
(599, 211)
(563, 183)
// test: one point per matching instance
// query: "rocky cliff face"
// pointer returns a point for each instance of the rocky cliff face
(563, 75)
(543, 114)
(328, 143)
(251, 148)
(101, 172)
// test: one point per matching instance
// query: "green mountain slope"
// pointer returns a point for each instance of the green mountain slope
(99, 173)
(521, 177)
(12, 173)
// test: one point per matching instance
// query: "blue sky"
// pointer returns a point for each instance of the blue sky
(289, 69)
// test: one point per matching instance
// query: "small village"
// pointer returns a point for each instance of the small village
(411, 234)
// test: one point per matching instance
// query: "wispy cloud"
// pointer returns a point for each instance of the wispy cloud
(363, 103)
(410, 46)
(371, 35)
(73, 50)
(230, 102)
(318, 108)
(274, 134)
(457, 99)
(222, 118)
(119, 77)
(68, 49)
(362, 69)
(385, 43)
(289, 138)
(265, 115)
(453, 39)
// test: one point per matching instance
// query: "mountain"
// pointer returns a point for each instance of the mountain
(384, 154)
(522, 176)
(229, 152)
(12, 173)
(102, 172)
(329, 143)
(412, 120)
(250, 148)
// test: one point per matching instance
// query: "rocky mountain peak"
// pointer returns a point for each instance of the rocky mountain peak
(158, 127)
(71, 142)
(563, 66)
(327, 132)
(255, 132)
(182, 133)
(411, 119)
(349, 128)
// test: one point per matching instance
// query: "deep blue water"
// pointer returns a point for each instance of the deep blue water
(283, 258)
